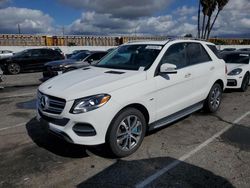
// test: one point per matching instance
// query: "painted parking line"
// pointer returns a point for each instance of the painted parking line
(188, 155)
(11, 127)
(21, 95)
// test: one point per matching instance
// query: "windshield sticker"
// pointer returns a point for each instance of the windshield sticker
(244, 55)
(151, 47)
(141, 69)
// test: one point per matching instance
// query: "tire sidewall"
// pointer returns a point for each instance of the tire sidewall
(246, 78)
(210, 108)
(111, 134)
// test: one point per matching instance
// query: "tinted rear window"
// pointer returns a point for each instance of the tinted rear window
(197, 54)
(215, 50)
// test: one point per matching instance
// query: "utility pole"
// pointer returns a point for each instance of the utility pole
(19, 29)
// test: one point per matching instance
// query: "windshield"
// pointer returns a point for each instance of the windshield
(22, 53)
(236, 58)
(131, 57)
(79, 56)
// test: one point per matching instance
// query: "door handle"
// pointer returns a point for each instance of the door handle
(188, 75)
(212, 68)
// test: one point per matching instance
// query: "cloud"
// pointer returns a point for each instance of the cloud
(4, 2)
(184, 10)
(129, 9)
(104, 24)
(30, 21)
(234, 19)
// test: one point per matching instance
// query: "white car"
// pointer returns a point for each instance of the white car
(138, 87)
(238, 64)
(5, 54)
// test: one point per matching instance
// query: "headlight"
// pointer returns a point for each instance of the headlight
(89, 103)
(235, 72)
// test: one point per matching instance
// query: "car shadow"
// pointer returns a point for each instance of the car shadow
(42, 138)
(131, 173)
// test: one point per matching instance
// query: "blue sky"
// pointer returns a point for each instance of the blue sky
(114, 17)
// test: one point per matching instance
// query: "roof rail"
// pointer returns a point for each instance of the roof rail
(185, 38)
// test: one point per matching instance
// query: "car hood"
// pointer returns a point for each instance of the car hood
(60, 62)
(232, 66)
(90, 81)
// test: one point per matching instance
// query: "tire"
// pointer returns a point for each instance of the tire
(213, 101)
(245, 83)
(14, 68)
(126, 132)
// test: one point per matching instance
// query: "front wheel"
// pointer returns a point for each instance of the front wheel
(126, 132)
(245, 83)
(14, 68)
(213, 101)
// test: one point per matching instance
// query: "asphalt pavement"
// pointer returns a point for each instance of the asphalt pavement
(201, 150)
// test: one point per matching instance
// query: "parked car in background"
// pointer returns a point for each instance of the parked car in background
(59, 50)
(244, 49)
(1, 77)
(75, 52)
(29, 60)
(140, 86)
(228, 49)
(79, 60)
(238, 65)
(5, 54)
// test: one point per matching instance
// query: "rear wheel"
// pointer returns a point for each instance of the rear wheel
(126, 132)
(14, 68)
(213, 101)
(245, 83)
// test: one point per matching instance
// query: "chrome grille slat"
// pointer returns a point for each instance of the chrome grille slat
(55, 105)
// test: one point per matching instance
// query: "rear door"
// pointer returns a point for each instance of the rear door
(29, 60)
(202, 69)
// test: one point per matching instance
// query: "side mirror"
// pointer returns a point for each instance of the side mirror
(168, 68)
(90, 61)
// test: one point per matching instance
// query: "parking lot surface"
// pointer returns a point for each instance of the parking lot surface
(201, 150)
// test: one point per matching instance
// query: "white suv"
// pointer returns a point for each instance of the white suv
(138, 87)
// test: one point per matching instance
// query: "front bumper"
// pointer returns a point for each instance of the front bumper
(85, 129)
(234, 82)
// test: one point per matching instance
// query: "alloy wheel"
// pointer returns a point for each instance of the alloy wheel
(129, 133)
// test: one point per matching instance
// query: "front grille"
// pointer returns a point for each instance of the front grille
(60, 122)
(50, 104)
(231, 82)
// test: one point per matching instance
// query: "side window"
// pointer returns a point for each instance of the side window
(48, 53)
(176, 54)
(197, 54)
(94, 57)
(214, 49)
(36, 53)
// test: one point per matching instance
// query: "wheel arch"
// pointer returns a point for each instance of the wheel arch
(221, 83)
(137, 106)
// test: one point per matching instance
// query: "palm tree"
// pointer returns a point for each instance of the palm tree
(211, 9)
(221, 4)
(199, 18)
(205, 9)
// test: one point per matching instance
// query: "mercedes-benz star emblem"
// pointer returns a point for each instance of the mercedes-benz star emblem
(44, 102)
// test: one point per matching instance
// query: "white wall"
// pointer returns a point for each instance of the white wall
(69, 49)
(65, 49)
(221, 47)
